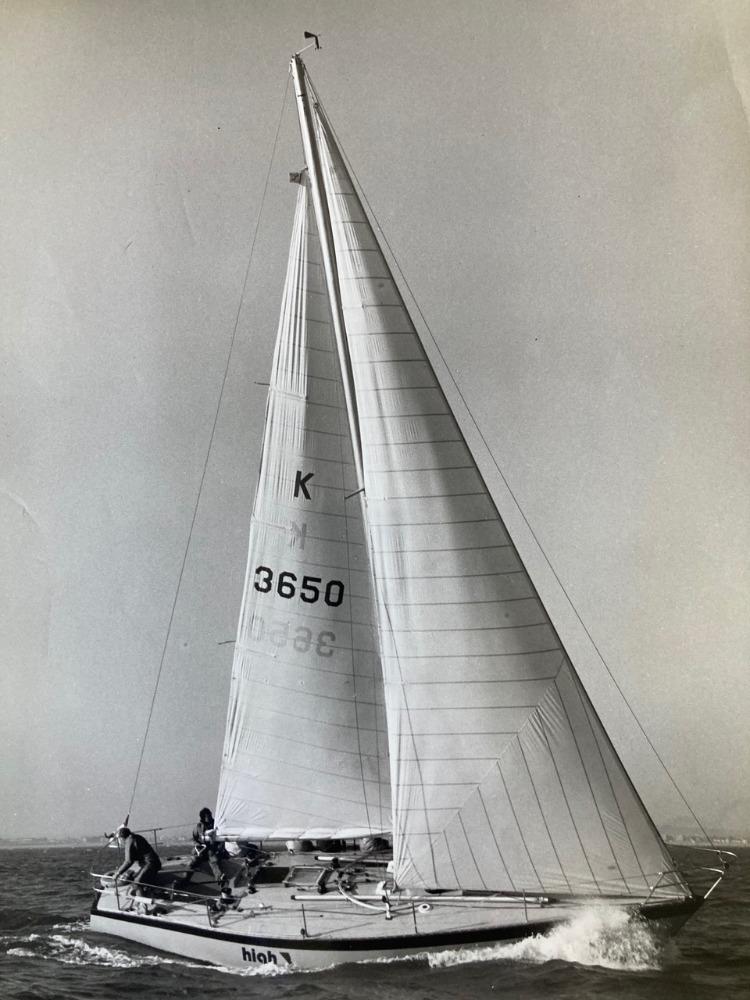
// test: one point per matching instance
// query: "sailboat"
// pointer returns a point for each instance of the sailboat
(411, 762)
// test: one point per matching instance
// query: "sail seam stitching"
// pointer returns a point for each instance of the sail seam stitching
(518, 825)
(541, 812)
(494, 838)
(588, 779)
(611, 785)
(471, 851)
(543, 728)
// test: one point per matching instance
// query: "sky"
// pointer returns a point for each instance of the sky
(566, 188)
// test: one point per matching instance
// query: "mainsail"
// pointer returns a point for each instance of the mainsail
(305, 753)
(502, 776)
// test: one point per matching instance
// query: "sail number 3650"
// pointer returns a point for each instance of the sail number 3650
(309, 589)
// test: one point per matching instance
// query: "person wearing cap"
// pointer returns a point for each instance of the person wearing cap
(207, 849)
(137, 851)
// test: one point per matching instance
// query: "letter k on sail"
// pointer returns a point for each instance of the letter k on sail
(300, 484)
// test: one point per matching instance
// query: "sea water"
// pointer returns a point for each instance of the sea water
(47, 951)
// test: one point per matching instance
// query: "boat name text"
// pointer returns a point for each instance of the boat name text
(264, 957)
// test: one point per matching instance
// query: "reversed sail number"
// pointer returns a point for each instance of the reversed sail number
(309, 589)
(303, 639)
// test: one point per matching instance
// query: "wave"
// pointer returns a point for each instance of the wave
(76, 951)
(598, 936)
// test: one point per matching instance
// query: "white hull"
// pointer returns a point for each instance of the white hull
(216, 950)
(316, 932)
(251, 950)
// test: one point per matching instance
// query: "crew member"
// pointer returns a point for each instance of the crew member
(207, 849)
(137, 851)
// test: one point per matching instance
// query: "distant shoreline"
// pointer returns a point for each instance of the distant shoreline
(77, 845)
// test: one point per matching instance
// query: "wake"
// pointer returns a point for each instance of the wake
(598, 936)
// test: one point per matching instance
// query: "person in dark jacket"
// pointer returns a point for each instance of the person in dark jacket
(137, 851)
(207, 849)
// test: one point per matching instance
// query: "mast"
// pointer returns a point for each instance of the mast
(325, 233)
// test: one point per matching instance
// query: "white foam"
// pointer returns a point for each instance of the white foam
(22, 938)
(260, 970)
(604, 936)
(77, 925)
(75, 951)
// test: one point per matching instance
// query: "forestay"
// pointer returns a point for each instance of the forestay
(502, 775)
(305, 752)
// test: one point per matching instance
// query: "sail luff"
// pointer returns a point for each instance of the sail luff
(322, 217)
(309, 132)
